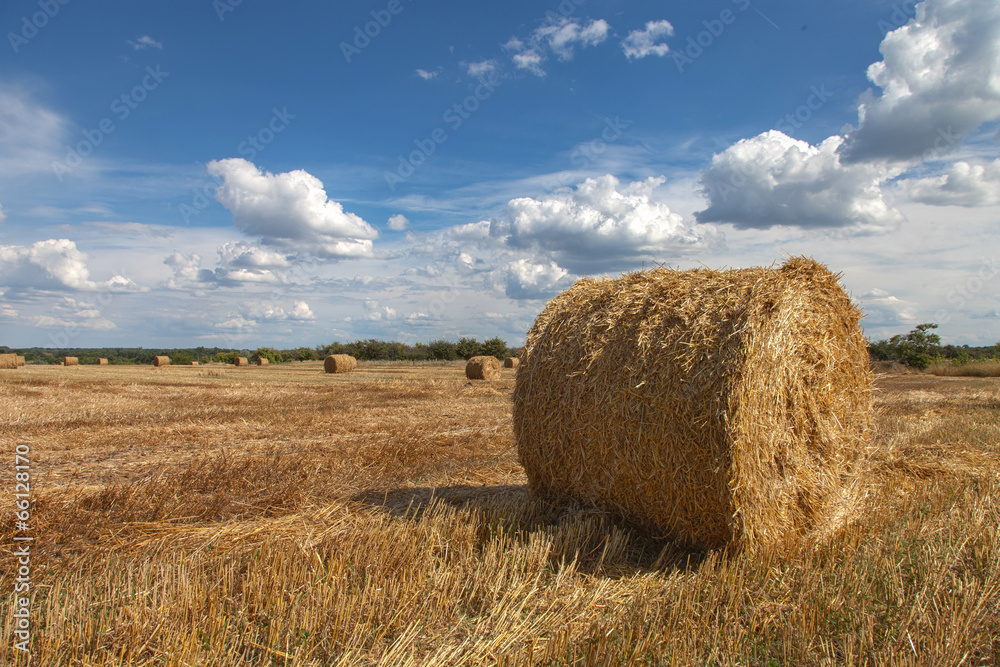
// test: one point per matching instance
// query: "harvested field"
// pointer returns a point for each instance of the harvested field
(208, 516)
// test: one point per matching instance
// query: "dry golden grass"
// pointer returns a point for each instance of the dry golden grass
(980, 369)
(206, 516)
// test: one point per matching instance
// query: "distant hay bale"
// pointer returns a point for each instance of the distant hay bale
(8, 361)
(262, 361)
(21, 361)
(161, 361)
(511, 362)
(194, 363)
(71, 361)
(340, 363)
(242, 361)
(102, 362)
(716, 407)
(483, 368)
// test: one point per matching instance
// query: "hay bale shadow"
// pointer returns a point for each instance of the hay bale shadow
(597, 540)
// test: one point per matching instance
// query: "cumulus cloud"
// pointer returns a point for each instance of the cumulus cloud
(425, 75)
(377, 313)
(939, 81)
(239, 263)
(55, 264)
(773, 179)
(963, 184)
(645, 42)
(253, 313)
(600, 225)
(525, 279)
(290, 211)
(559, 36)
(398, 222)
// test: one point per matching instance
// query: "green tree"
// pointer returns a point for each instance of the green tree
(468, 348)
(496, 347)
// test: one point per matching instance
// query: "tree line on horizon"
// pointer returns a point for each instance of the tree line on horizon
(919, 349)
(363, 350)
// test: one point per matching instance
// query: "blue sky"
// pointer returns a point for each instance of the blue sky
(213, 173)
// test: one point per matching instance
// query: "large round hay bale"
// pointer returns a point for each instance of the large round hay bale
(262, 361)
(161, 361)
(8, 361)
(21, 361)
(241, 361)
(511, 362)
(340, 363)
(102, 362)
(483, 368)
(716, 407)
(71, 361)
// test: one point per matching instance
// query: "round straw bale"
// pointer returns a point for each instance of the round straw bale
(21, 361)
(102, 362)
(262, 361)
(511, 362)
(339, 363)
(194, 363)
(241, 361)
(715, 407)
(71, 361)
(483, 368)
(8, 361)
(161, 361)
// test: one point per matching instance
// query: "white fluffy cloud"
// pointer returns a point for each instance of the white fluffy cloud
(254, 313)
(525, 279)
(55, 264)
(239, 264)
(558, 36)
(398, 222)
(600, 225)
(773, 179)
(425, 75)
(645, 42)
(940, 80)
(145, 42)
(964, 184)
(290, 211)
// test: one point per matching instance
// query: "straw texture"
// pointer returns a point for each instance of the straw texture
(716, 407)
(483, 368)
(8, 361)
(340, 363)
(21, 361)
(161, 361)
